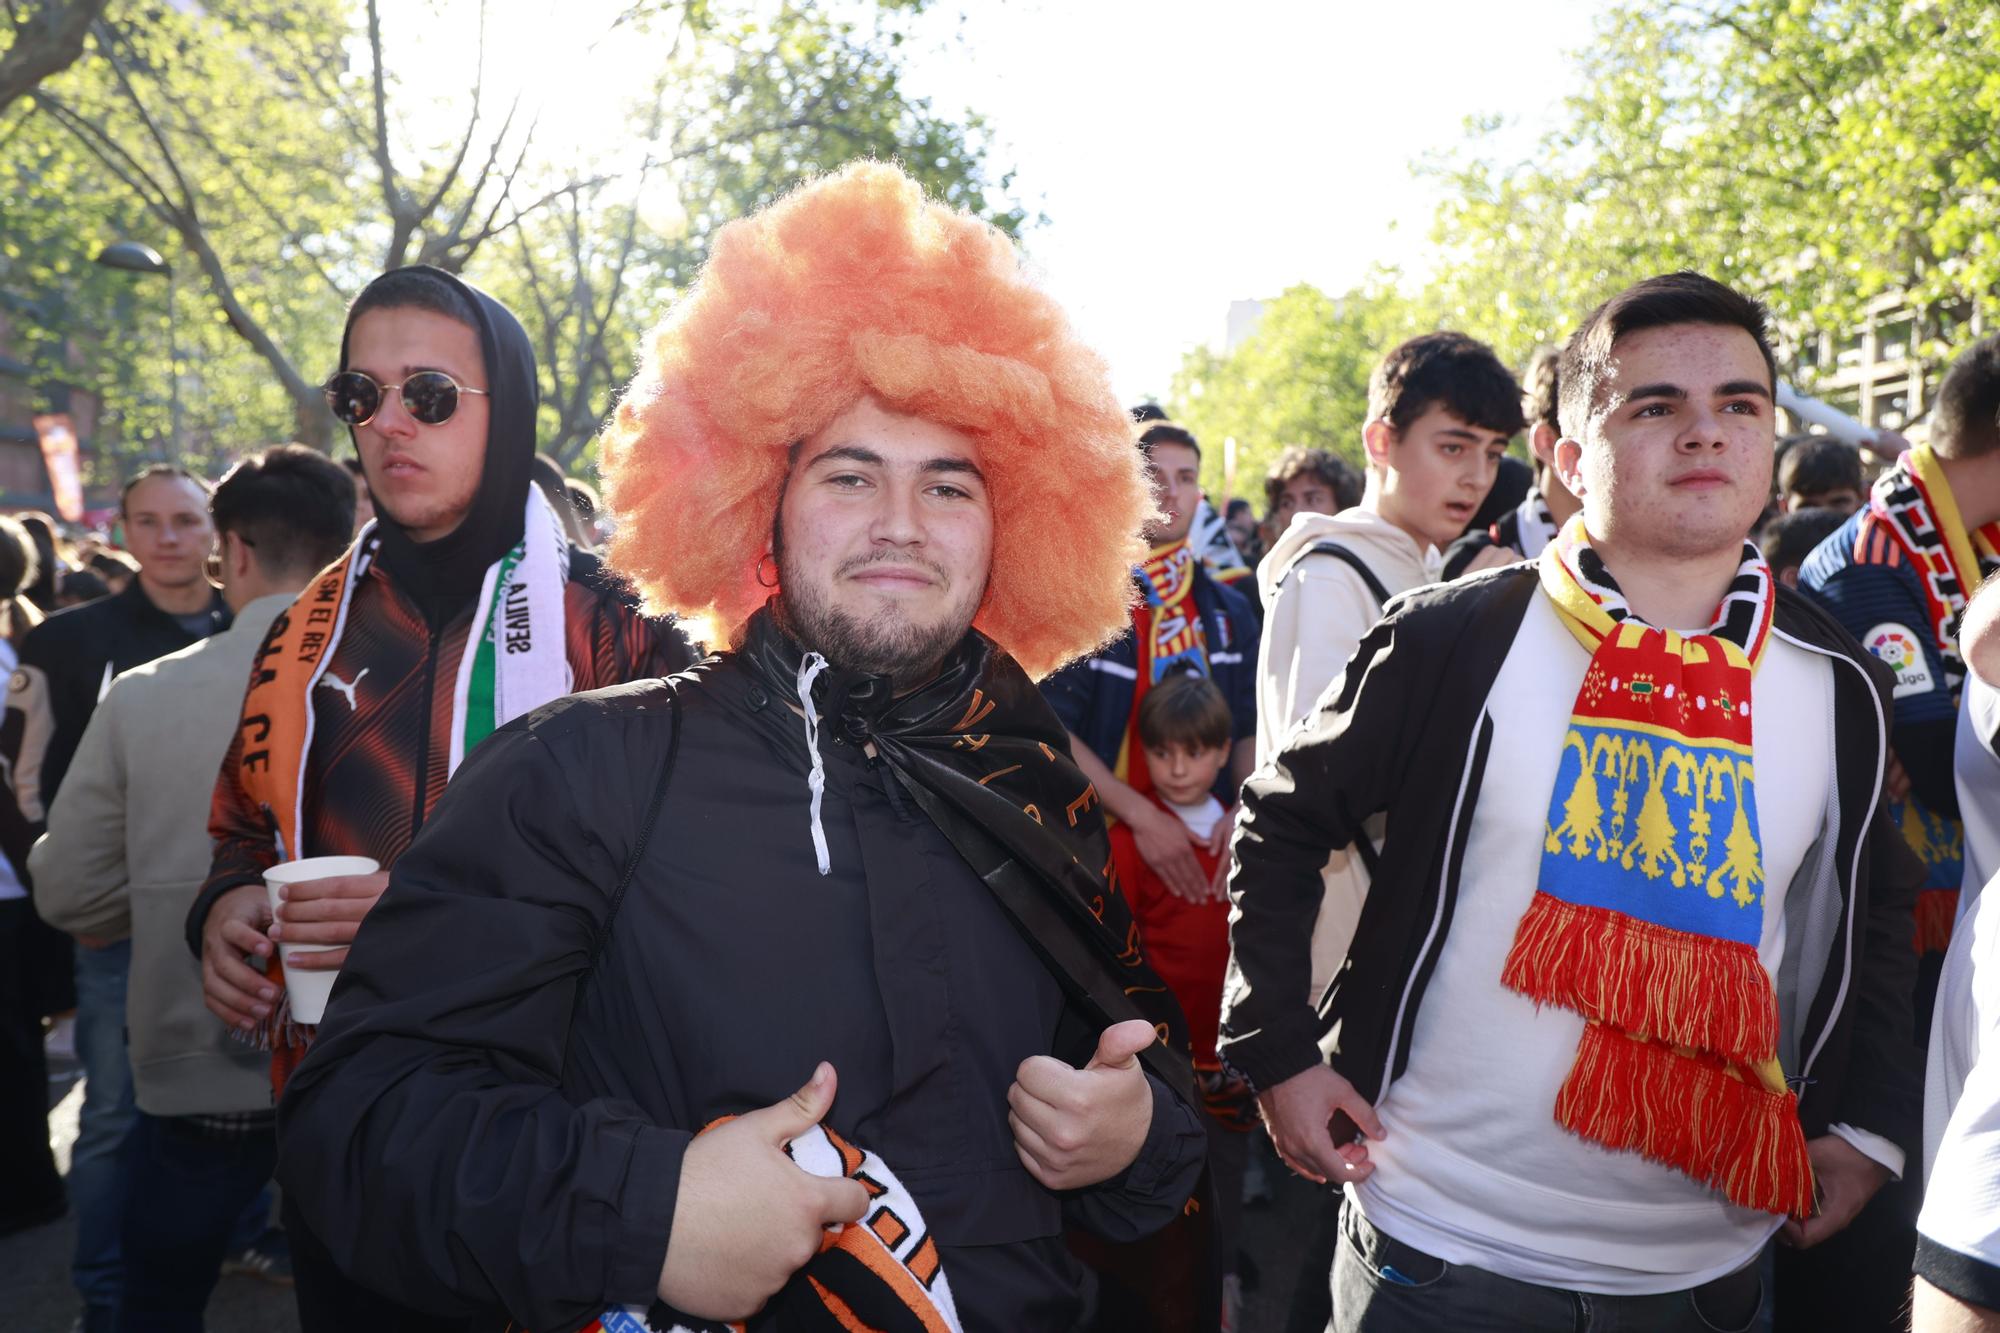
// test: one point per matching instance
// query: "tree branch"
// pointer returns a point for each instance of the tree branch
(430, 206)
(49, 40)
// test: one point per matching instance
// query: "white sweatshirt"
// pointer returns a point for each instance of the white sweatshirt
(1316, 612)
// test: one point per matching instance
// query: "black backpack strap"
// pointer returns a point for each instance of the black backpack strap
(645, 829)
(1351, 560)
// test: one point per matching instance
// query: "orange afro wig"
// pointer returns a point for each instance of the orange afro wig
(854, 285)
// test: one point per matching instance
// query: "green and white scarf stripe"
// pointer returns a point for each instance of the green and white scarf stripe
(515, 659)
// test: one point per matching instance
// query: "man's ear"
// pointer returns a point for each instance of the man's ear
(1376, 437)
(236, 556)
(1542, 439)
(1569, 465)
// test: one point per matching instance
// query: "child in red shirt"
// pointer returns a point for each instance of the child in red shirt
(1184, 727)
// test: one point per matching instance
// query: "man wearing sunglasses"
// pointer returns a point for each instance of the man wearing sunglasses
(458, 609)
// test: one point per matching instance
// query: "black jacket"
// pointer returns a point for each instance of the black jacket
(515, 1058)
(1407, 733)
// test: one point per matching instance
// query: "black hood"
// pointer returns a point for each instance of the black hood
(442, 574)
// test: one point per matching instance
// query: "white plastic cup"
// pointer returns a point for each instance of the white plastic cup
(308, 990)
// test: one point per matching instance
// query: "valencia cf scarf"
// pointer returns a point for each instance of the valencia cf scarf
(1914, 502)
(881, 1274)
(1169, 637)
(1170, 633)
(1650, 903)
(515, 660)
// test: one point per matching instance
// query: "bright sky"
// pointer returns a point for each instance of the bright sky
(1189, 154)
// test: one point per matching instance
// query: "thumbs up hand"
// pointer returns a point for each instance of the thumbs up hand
(1077, 1127)
(746, 1217)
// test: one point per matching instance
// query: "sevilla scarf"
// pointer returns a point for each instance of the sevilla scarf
(1914, 501)
(1649, 907)
(1534, 525)
(881, 1274)
(514, 660)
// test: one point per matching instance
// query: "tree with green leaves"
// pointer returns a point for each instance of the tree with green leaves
(1300, 378)
(1817, 153)
(280, 156)
(44, 38)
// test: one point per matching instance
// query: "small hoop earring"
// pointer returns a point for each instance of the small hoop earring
(761, 581)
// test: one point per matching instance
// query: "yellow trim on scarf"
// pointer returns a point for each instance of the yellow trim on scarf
(1961, 547)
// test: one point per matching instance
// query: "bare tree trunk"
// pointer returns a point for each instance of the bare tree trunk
(48, 38)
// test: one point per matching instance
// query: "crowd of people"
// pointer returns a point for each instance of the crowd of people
(1557, 839)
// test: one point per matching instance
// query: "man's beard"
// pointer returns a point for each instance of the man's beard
(887, 645)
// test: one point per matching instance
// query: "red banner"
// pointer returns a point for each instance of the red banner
(59, 453)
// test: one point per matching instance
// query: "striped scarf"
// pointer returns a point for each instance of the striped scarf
(1914, 501)
(515, 660)
(1171, 636)
(881, 1274)
(1649, 907)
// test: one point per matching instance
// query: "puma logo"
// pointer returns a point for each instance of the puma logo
(345, 687)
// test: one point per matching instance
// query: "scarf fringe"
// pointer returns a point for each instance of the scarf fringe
(1937, 911)
(1639, 977)
(1693, 1114)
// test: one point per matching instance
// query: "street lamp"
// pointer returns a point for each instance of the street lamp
(133, 257)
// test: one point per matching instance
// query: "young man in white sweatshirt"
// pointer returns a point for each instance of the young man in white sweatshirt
(1441, 408)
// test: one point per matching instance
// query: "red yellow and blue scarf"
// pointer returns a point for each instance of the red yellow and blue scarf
(1650, 904)
(1169, 638)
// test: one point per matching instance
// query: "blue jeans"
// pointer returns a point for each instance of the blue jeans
(189, 1187)
(97, 1167)
(1381, 1285)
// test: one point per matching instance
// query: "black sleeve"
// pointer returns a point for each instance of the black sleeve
(1925, 749)
(74, 680)
(426, 1137)
(1306, 803)
(1883, 1091)
(1151, 1192)
(1971, 1280)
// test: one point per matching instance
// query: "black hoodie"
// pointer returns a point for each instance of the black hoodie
(442, 575)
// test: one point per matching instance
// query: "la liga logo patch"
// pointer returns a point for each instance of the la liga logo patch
(1902, 652)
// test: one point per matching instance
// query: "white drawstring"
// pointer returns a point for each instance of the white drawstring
(809, 668)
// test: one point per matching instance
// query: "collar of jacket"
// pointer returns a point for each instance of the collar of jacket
(141, 607)
(858, 706)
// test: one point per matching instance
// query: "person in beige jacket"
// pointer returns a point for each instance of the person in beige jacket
(125, 852)
(1441, 408)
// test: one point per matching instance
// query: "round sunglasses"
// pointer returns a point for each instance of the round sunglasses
(430, 396)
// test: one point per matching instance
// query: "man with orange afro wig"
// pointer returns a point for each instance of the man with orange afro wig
(820, 932)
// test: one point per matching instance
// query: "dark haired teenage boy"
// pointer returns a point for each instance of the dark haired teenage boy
(460, 608)
(1441, 409)
(1820, 472)
(1630, 994)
